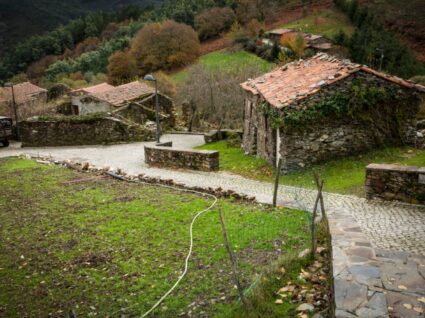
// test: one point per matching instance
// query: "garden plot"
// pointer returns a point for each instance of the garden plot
(101, 247)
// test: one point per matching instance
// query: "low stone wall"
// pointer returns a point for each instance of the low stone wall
(182, 158)
(394, 182)
(73, 131)
(217, 135)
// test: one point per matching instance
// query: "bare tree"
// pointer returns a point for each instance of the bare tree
(216, 95)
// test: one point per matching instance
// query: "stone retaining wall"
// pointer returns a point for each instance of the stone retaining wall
(182, 158)
(69, 132)
(394, 182)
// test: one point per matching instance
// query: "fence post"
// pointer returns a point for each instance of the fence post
(313, 224)
(232, 260)
(276, 182)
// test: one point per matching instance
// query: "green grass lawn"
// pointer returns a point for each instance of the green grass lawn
(326, 22)
(346, 176)
(70, 240)
(222, 60)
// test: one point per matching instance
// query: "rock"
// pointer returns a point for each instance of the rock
(305, 307)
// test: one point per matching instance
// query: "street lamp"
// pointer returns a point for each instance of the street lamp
(14, 107)
(151, 78)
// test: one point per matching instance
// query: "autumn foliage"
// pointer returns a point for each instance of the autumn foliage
(295, 42)
(164, 46)
(121, 68)
(212, 22)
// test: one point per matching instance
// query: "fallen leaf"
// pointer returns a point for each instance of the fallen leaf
(408, 306)
(278, 301)
(418, 309)
(422, 299)
(402, 287)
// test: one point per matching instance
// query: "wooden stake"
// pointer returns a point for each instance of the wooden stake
(322, 203)
(276, 182)
(232, 259)
(313, 224)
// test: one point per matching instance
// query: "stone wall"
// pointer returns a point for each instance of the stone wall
(394, 182)
(182, 158)
(329, 137)
(72, 130)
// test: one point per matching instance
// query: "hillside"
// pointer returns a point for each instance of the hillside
(406, 18)
(20, 19)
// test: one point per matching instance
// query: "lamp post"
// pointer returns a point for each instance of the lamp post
(151, 78)
(14, 108)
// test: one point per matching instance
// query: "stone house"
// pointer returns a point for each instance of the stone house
(322, 108)
(134, 101)
(27, 96)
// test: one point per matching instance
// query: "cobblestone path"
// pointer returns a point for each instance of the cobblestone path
(389, 226)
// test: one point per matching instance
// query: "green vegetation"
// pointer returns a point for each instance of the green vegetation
(74, 241)
(372, 39)
(326, 22)
(226, 61)
(345, 176)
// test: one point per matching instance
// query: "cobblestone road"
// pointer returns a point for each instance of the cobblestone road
(390, 226)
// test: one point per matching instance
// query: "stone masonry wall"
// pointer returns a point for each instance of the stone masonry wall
(182, 158)
(105, 130)
(394, 182)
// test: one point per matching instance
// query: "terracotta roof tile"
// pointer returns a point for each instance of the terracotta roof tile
(24, 92)
(100, 88)
(123, 93)
(297, 80)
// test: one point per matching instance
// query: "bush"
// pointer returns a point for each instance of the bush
(121, 68)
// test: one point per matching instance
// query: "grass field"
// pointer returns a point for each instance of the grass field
(222, 60)
(346, 176)
(74, 241)
(324, 22)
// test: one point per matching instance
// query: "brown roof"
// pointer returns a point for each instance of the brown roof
(24, 92)
(103, 87)
(123, 93)
(297, 80)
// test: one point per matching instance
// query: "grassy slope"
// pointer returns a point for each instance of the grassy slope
(222, 60)
(101, 245)
(325, 22)
(344, 176)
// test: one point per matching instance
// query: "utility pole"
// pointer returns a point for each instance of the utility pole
(14, 109)
(151, 78)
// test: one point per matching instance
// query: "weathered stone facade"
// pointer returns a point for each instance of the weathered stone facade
(330, 137)
(182, 158)
(394, 182)
(66, 132)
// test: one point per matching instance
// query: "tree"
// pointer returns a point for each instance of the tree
(295, 42)
(121, 68)
(164, 45)
(212, 22)
(215, 98)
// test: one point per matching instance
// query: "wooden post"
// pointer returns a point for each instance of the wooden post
(322, 202)
(313, 224)
(276, 182)
(232, 259)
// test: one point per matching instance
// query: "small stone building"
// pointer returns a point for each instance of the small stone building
(134, 101)
(315, 110)
(27, 95)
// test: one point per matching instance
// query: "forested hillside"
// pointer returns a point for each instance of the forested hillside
(19, 19)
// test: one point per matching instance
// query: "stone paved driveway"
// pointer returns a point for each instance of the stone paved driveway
(389, 226)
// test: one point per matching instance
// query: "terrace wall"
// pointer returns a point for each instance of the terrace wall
(394, 182)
